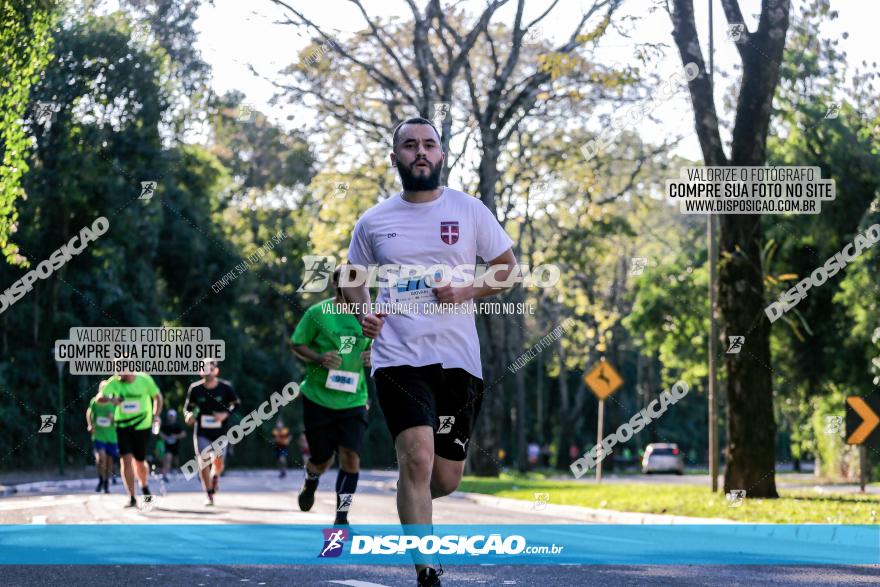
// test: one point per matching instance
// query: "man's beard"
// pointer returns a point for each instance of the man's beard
(420, 183)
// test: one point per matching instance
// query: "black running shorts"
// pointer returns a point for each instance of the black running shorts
(447, 400)
(133, 442)
(327, 429)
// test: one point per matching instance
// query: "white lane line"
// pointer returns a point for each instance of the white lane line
(38, 520)
(357, 583)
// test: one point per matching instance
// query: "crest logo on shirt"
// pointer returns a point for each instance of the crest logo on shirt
(449, 232)
(346, 344)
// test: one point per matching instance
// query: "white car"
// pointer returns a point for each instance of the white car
(663, 457)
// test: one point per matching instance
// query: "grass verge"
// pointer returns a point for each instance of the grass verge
(792, 507)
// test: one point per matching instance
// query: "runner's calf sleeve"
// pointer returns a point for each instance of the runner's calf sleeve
(346, 482)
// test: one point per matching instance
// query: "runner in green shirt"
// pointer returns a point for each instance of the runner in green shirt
(138, 402)
(334, 397)
(99, 421)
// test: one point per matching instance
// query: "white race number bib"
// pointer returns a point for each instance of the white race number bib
(346, 381)
(131, 407)
(103, 421)
(210, 422)
(412, 289)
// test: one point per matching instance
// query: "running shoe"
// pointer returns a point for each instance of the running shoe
(306, 497)
(132, 503)
(428, 577)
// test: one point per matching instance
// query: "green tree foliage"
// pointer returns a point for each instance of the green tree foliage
(25, 44)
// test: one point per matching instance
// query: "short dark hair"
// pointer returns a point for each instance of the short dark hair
(414, 120)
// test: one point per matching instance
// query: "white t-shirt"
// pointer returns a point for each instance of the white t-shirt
(452, 230)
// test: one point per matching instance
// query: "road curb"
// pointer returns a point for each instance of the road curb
(35, 486)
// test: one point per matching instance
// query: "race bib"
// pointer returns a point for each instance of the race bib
(210, 422)
(132, 407)
(412, 289)
(103, 421)
(346, 381)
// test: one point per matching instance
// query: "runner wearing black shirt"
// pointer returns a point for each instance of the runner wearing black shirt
(171, 433)
(208, 404)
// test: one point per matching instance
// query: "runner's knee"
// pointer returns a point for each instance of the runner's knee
(416, 465)
(349, 461)
(320, 467)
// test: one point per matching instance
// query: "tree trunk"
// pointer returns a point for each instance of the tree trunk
(750, 423)
(751, 429)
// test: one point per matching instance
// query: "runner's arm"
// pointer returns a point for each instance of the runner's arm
(504, 264)
(188, 406)
(498, 273)
(304, 353)
(89, 419)
(158, 402)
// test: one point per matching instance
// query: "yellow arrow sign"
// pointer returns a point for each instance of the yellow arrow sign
(603, 380)
(869, 417)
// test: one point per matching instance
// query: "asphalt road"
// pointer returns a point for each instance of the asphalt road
(472, 576)
(260, 497)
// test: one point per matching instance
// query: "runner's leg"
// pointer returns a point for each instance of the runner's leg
(127, 466)
(216, 471)
(415, 457)
(346, 482)
(445, 476)
(99, 465)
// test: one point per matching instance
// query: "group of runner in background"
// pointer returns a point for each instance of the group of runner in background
(123, 417)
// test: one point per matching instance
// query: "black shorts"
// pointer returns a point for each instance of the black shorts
(133, 442)
(328, 429)
(172, 449)
(447, 400)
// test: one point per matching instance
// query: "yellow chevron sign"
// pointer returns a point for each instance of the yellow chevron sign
(861, 420)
